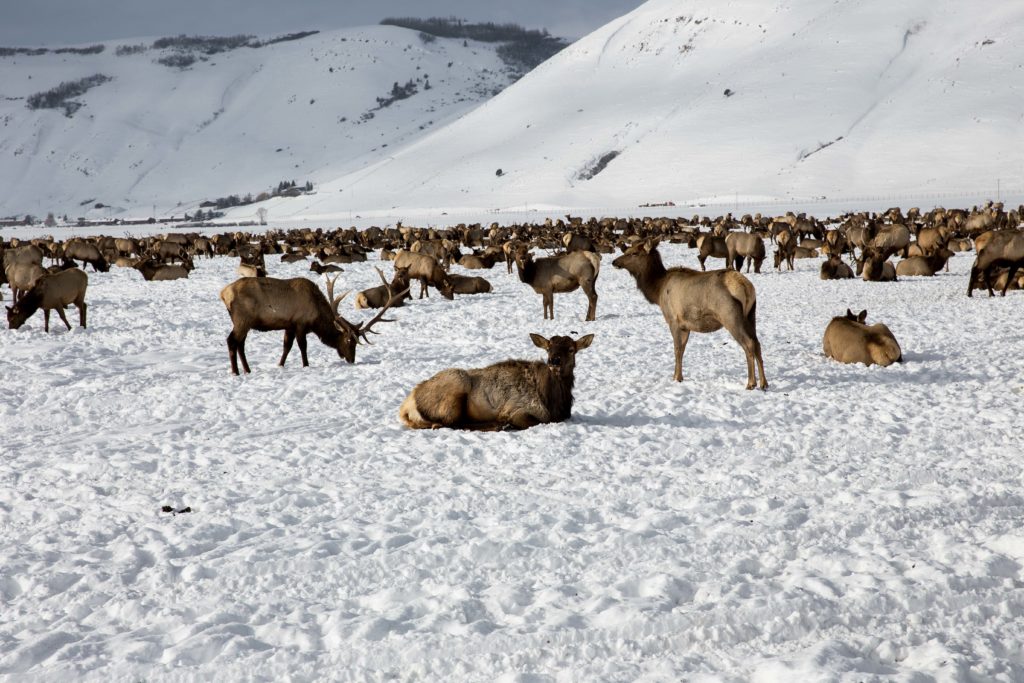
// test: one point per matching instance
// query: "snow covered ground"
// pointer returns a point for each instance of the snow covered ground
(851, 524)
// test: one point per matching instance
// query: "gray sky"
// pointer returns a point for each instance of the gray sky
(56, 22)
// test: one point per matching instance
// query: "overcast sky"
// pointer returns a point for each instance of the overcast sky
(54, 22)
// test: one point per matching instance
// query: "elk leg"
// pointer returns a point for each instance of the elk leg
(680, 336)
(240, 346)
(233, 352)
(423, 288)
(701, 258)
(63, 316)
(81, 313)
(46, 320)
(289, 337)
(591, 293)
(302, 348)
(1009, 277)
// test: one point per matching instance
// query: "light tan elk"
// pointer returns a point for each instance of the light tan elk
(560, 274)
(51, 292)
(22, 277)
(1004, 249)
(157, 271)
(786, 251)
(711, 245)
(848, 340)
(381, 295)
(698, 302)
(744, 246)
(874, 266)
(924, 265)
(296, 306)
(511, 394)
(427, 270)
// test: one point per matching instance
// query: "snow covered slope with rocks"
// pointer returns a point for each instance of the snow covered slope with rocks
(739, 99)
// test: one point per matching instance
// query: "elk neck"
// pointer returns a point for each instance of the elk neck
(649, 277)
(527, 270)
(556, 390)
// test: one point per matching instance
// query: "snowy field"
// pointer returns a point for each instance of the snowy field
(851, 524)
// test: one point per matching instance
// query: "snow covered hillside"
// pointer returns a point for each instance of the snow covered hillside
(235, 122)
(850, 524)
(685, 99)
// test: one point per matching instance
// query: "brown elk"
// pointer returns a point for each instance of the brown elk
(86, 252)
(874, 266)
(51, 292)
(478, 261)
(698, 302)
(924, 265)
(786, 251)
(835, 269)
(321, 268)
(296, 306)
(744, 246)
(462, 284)
(153, 270)
(381, 295)
(514, 394)
(560, 274)
(848, 340)
(22, 277)
(711, 245)
(427, 270)
(1004, 249)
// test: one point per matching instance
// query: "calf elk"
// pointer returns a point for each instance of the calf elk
(692, 301)
(848, 340)
(511, 394)
(51, 292)
(296, 306)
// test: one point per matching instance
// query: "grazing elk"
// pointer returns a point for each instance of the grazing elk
(786, 251)
(427, 270)
(848, 340)
(514, 394)
(698, 302)
(87, 253)
(296, 306)
(381, 295)
(744, 246)
(51, 292)
(560, 274)
(1004, 249)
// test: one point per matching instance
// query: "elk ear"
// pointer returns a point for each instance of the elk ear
(539, 341)
(862, 316)
(850, 315)
(584, 342)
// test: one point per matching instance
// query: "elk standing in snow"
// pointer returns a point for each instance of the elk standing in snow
(692, 301)
(51, 292)
(560, 274)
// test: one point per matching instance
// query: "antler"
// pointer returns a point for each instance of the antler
(335, 301)
(365, 327)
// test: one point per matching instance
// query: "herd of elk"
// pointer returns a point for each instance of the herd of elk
(511, 394)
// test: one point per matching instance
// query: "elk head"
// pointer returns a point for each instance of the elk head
(562, 351)
(349, 335)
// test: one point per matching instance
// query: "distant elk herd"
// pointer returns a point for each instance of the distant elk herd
(514, 393)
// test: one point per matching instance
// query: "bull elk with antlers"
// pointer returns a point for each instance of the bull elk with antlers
(296, 306)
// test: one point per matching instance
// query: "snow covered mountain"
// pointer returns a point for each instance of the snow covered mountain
(685, 99)
(173, 122)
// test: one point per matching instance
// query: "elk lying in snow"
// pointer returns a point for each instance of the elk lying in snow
(381, 295)
(924, 265)
(698, 302)
(560, 274)
(744, 246)
(874, 266)
(463, 284)
(156, 271)
(51, 292)
(244, 270)
(296, 306)
(835, 269)
(1005, 249)
(427, 270)
(848, 340)
(511, 394)
(321, 268)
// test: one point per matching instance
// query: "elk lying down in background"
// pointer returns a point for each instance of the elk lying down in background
(153, 270)
(51, 292)
(427, 270)
(875, 267)
(464, 284)
(848, 340)
(835, 269)
(511, 394)
(924, 265)
(381, 295)
(559, 274)
(692, 301)
(296, 306)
